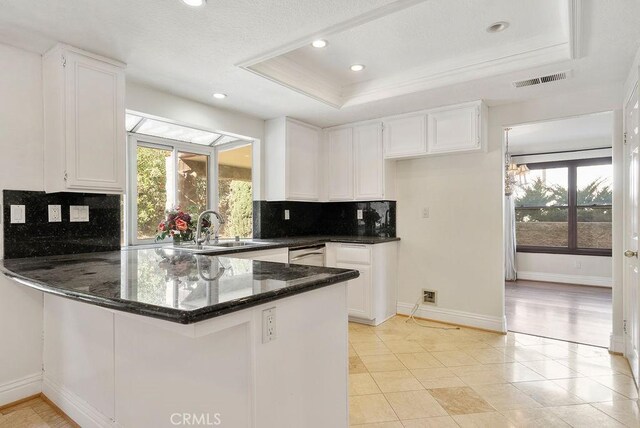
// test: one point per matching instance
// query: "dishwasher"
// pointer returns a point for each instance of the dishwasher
(310, 256)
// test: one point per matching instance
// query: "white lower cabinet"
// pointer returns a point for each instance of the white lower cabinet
(372, 297)
(278, 255)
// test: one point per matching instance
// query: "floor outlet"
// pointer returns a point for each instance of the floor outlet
(429, 297)
(268, 325)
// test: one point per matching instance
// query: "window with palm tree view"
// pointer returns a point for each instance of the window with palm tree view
(566, 207)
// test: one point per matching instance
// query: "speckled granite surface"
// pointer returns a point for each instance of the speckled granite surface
(39, 237)
(169, 284)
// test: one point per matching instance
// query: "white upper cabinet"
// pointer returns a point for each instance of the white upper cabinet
(448, 130)
(340, 164)
(84, 125)
(405, 136)
(368, 162)
(454, 129)
(356, 169)
(292, 157)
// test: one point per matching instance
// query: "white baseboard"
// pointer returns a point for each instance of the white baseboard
(596, 281)
(73, 406)
(452, 316)
(20, 388)
(616, 344)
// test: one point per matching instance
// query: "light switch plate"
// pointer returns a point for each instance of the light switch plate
(55, 213)
(18, 214)
(359, 214)
(79, 213)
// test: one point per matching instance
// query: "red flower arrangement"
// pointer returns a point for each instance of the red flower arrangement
(179, 225)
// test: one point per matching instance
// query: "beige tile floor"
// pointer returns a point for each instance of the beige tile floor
(406, 375)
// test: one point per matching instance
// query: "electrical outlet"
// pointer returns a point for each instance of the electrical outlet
(425, 212)
(18, 214)
(268, 325)
(55, 213)
(359, 215)
(79, 213)
(287, 216)
(429, 297)
(578, 265)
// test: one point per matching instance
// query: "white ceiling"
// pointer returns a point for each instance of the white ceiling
(414, 44)
(575, 133)
(194, 52)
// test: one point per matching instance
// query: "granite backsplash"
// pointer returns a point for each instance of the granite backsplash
(323, 218)
(38, 237)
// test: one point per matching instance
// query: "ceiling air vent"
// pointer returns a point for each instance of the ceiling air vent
(562, 75)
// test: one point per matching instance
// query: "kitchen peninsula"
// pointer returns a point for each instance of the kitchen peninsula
(146, 337)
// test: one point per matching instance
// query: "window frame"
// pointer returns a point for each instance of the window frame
(135, 140)
(572, 208)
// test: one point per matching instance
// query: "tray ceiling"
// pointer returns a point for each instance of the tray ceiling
(409, 48)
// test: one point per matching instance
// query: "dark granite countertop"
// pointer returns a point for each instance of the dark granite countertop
(170, 284)
(290, 242)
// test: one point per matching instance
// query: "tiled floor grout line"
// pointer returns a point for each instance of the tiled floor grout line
(569, 357)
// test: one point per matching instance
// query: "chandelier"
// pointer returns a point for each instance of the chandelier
(514, 174)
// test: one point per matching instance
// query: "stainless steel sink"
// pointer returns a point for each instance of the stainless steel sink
(233, 244)
(219, 247)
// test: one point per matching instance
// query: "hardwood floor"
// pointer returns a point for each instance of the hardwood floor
(575, 313)
(34, 412)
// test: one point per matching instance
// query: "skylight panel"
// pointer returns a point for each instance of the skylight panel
(131, 120)
(171, 131)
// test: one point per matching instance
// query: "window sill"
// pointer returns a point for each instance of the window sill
(576, 252)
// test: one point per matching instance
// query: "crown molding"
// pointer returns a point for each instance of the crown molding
(575, 28)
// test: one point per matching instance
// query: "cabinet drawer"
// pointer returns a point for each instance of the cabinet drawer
(353, 253)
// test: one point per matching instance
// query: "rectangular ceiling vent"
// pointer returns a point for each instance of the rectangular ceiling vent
(562, 75)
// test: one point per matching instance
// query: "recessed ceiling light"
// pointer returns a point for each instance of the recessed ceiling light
(219, 96)
(497, 27)
(320, 43)
(194, 3)
(357, 67)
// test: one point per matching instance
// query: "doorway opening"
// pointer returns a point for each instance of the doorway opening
(558, 228)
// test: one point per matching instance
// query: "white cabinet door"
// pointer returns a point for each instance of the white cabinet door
(280, 255)
(368, 162)
(340, 164)
(95, 129)
(454, 130)
(405, 136)
(359, 291)
(303, 151)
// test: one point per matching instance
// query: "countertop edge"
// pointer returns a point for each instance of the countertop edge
(180, 316)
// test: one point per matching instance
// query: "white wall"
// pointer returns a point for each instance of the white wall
(565, 268)
(154, 102)
(458, 251)
(21, 167)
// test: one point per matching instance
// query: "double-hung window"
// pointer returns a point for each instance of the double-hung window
(193, 170)
(566, 207)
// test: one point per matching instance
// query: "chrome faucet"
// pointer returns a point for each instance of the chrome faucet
(199, 239)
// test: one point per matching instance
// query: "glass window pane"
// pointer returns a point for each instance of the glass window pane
(193, 170)
(153, 197)
(176, 132)
(594, 227)
(542, 227)
(131, 121)
(595, 184)
(544, 188)
(235, 192)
